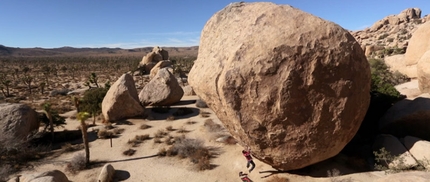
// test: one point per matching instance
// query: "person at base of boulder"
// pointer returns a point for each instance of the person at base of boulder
(244, 177)
(247, 154)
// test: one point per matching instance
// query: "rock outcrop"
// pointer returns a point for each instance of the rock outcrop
(418, 44)
(162, 90)
(17, 120)
(151, 59)
(121, 100)
(292, 86)
(392, 32)
(107, 173)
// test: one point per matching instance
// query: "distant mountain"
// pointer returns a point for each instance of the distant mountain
(71, 51)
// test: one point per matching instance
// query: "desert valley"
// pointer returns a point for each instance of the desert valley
(314, 103)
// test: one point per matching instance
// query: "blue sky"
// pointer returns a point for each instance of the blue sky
(147, 23)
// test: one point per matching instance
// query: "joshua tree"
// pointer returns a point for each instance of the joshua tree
(27, 79)
(82, 116)
(47, 111)
(92, 100)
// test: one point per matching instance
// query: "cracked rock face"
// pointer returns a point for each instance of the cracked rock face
(292, 86)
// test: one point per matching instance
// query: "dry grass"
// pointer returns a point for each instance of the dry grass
(76, 164)
(191, 122)
(138, 139)
(105, 134)
(68, 147)
(182, 130)
(170, 128)
(160, 134)
(145, 126)
(129, 152)
(204, 114)
(211, 126)
(195, 150)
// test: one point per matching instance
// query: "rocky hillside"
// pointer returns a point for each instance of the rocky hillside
(391, 34)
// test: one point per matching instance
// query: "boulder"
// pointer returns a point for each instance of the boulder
(423, 72)
(158, 66)
(292, 86)
(408, 117)
(121, 100)
(49, 176)
(151, 59)
(394, 147)
(419, 149)
(418, 44)
(188, 90)
(407, 176)
(162, 90)
(107, 173)
(397, 63)
(17, 120)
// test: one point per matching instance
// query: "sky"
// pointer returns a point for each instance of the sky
(146, 23)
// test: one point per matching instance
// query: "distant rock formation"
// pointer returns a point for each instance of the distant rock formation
(121, 100)
(393, 32)
(151, 59)
(162, 90)
(295, 92)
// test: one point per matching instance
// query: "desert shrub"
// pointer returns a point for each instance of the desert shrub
(77, 163)
(195, 151)
(92, 100)
(382, 80)
(161, 109)
(170, 118)
(160, 134)
(201, 104)
(182, 130)
(105, 134)
(204, 114)
(162, 152)
(145, 126)
(157, 140)
(118, 131)
(191, 122)
(211, 126)
(129, 152)
(68, 147)
(182, 111)
(138, 139)
(170, 128)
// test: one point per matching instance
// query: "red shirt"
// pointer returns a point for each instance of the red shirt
(247, 155)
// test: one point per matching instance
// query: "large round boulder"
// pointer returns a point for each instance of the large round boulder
(17, 120)
(292, 86)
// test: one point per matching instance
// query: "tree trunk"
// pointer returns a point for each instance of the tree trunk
(94, 119)
(51, 124)
(85, 140)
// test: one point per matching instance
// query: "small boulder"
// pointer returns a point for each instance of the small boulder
(49, 176)
(418, 44)
(121, 100)
(158, 66)
(419, 149)
(408, 117)
(162, 90)
(107, 173)
(17, 120)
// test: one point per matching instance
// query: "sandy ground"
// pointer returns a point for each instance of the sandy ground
(145, 166)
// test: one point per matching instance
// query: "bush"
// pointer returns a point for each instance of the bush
(170, 118)
(195, 151)
(129, 152)
(145, 126)
(211, 126)
(160, 133)
(138, 139)
(204, 114)
(77, 163)
(105, 134)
